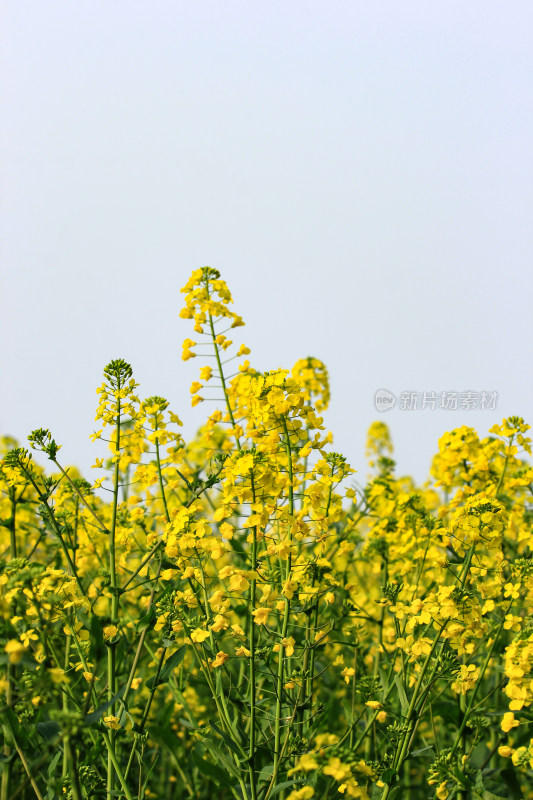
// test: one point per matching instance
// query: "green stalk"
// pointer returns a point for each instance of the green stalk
(349, 733)
(253, 583)
(143, 633)
(57, 531)
(212, 640)
(66, 761)
(354, 679)
(111, 650)
(143, 563)
(21, 788)
(468, 708)
(117, 766)
(377, 659)
(24, 761)
(310, 632)
(500, 482)
(411, 719)
(69, 753)
(160, 475)
(311, 627)
(251, 642)
(285, 623)
(91, 510)
(461, 795)
(145, 713)
(106, 737)
(73, 771)
(412, 716)
(290, 723)
(221, 708)
(220, 370)
(7, 765)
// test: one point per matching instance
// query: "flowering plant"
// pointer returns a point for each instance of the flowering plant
(235, 612)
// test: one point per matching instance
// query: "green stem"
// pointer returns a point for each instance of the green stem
(411, 719)
(73, 769)
(219, 701)
(81, 497)
(7, 766)
(143, 563)
(24, 760)
(468, 708)
(145, 713)
(221, 371)
(500, 482)
(375, 674)
(310, 633)
(251, 642)
(65, 700)
(160, 475)
(111, 650)
(117, 766)
(290, 723)
(285, 623)
(57, 531)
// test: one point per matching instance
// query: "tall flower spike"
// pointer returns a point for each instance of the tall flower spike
(207, 295)
(379, 448)
(207, 300)
(313, 378)
(117, 388)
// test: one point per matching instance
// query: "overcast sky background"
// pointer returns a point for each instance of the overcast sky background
(361, 173)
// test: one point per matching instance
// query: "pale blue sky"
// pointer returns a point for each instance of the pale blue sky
(361, 173)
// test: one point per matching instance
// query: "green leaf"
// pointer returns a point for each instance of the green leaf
(96, 641)
(396, 792)
(285, 785)
(424, 752)
(13, 732)
(95, 715)
(222, 757)
(237, 547)
(384, 679)
(484, 793)
(54, 762)
(170, 664)
(167, 564)
(167, 737)
(207, 768)
(511, 783)
(147, 621)
(48, 729)
(187, 724)
(154, 762)
(266, 773)
(51, 794)
(389, 776)
(231, 744)
(401, 694)
(173, 661)
(447, 710)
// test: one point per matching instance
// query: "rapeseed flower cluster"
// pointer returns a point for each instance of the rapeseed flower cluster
(236, 613)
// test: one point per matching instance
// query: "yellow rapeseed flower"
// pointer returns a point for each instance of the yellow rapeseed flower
(260, 615)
